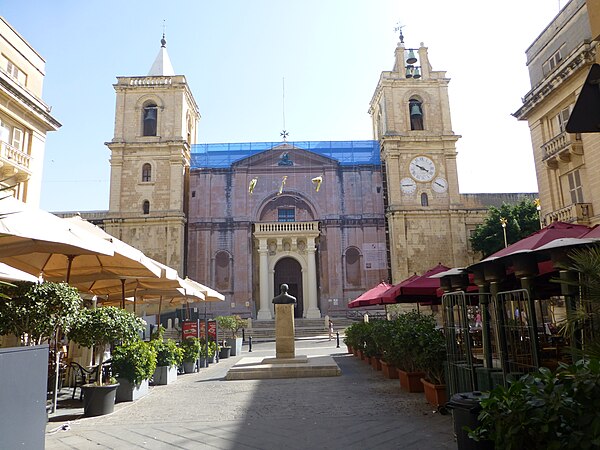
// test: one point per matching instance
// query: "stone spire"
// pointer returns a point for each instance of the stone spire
(162, 64)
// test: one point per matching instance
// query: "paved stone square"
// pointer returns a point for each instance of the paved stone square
(357, 410)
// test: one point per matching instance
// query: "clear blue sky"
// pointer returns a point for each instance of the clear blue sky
(236, 53)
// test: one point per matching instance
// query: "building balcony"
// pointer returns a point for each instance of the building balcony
(14, 164)
(561, 148)
(579, 213)
(285, 228)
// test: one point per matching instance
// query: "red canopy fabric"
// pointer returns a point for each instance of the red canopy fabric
(593, 233)
(370, 297)
(389, 296)
(556, 230)
(422, 286)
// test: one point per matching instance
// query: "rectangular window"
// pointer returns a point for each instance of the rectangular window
(286, 215)
(17, 139)
(562, 118)
(14, 72)
(575, 188)
(552, 62)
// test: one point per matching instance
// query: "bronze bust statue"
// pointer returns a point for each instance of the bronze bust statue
(284, 298)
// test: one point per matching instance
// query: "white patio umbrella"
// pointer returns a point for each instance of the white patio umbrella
(9, 274)
(32, 240)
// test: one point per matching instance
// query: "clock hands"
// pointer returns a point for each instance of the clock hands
(439, 184)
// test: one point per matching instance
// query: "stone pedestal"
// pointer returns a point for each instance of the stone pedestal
(284, 331)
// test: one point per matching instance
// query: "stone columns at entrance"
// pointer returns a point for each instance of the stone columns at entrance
(264, 312)
(312, 311)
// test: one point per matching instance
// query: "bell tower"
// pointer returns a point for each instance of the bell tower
(410, 111)
(155, 126)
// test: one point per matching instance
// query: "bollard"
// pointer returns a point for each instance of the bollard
(243, 335)
(250, 344)
(337, 335)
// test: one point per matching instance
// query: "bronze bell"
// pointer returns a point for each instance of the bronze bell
(416, 73)
(411, 57)
(409, 71)
(415, 110)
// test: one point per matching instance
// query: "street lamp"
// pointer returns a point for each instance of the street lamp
(538, 206)
(503, 223)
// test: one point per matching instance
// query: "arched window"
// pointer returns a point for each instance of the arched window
(150, 116)
(223, 271)
(146, 207)
(146, 172)
(353, 271)
(424, 199)
(415, 110)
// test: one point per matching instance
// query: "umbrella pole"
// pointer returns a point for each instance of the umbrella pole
(134, 298)
(69, 264)
(122, 293)
(159, 309)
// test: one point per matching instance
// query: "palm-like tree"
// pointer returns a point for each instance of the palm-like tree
(583, 323)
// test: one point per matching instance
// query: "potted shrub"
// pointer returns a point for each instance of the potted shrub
(133, 364)
(97, 328)
(233, 324)
(407, 348)
(191, 351)
(224, 350)
(434, 358)
(207, 353)
(168, 357)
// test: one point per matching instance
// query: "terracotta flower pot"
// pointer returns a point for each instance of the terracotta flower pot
(435, 394)
(389, 370)
(411, 381)
(376, 363)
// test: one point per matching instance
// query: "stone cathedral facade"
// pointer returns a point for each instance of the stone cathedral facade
(330, 219)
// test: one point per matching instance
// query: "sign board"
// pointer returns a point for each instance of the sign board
(189, 328)
(212, 330)
(374, 256)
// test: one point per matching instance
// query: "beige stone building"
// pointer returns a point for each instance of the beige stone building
(567, 164)
(331, 219)
(24, 117)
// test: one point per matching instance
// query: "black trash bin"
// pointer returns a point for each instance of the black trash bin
(465, 408)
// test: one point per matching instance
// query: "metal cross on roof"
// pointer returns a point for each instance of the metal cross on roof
(284, 134)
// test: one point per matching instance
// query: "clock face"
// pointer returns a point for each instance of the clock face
(408, 185)
(439, 185)
(422, 168)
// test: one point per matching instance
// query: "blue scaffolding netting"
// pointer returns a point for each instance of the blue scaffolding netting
(224, 155)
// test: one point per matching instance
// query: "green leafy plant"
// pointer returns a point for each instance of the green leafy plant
(135, 361)
(167, 353)
(36, 312)
(232, 323)
(357, 334)
(210, 352)
(190, 348)
(100, 327)
(409, 344)
(545, 410)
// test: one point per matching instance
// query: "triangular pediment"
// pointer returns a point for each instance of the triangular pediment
(286, 156)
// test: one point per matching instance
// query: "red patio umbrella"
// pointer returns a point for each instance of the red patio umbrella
(371, 297)
(422, 286)
(554, 231)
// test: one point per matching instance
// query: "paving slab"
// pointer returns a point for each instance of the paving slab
(359, 409)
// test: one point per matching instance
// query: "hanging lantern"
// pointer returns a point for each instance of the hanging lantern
(411, 57)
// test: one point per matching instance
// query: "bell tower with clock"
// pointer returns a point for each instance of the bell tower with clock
(410, 110)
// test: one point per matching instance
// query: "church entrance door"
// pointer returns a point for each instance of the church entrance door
(289, 271)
